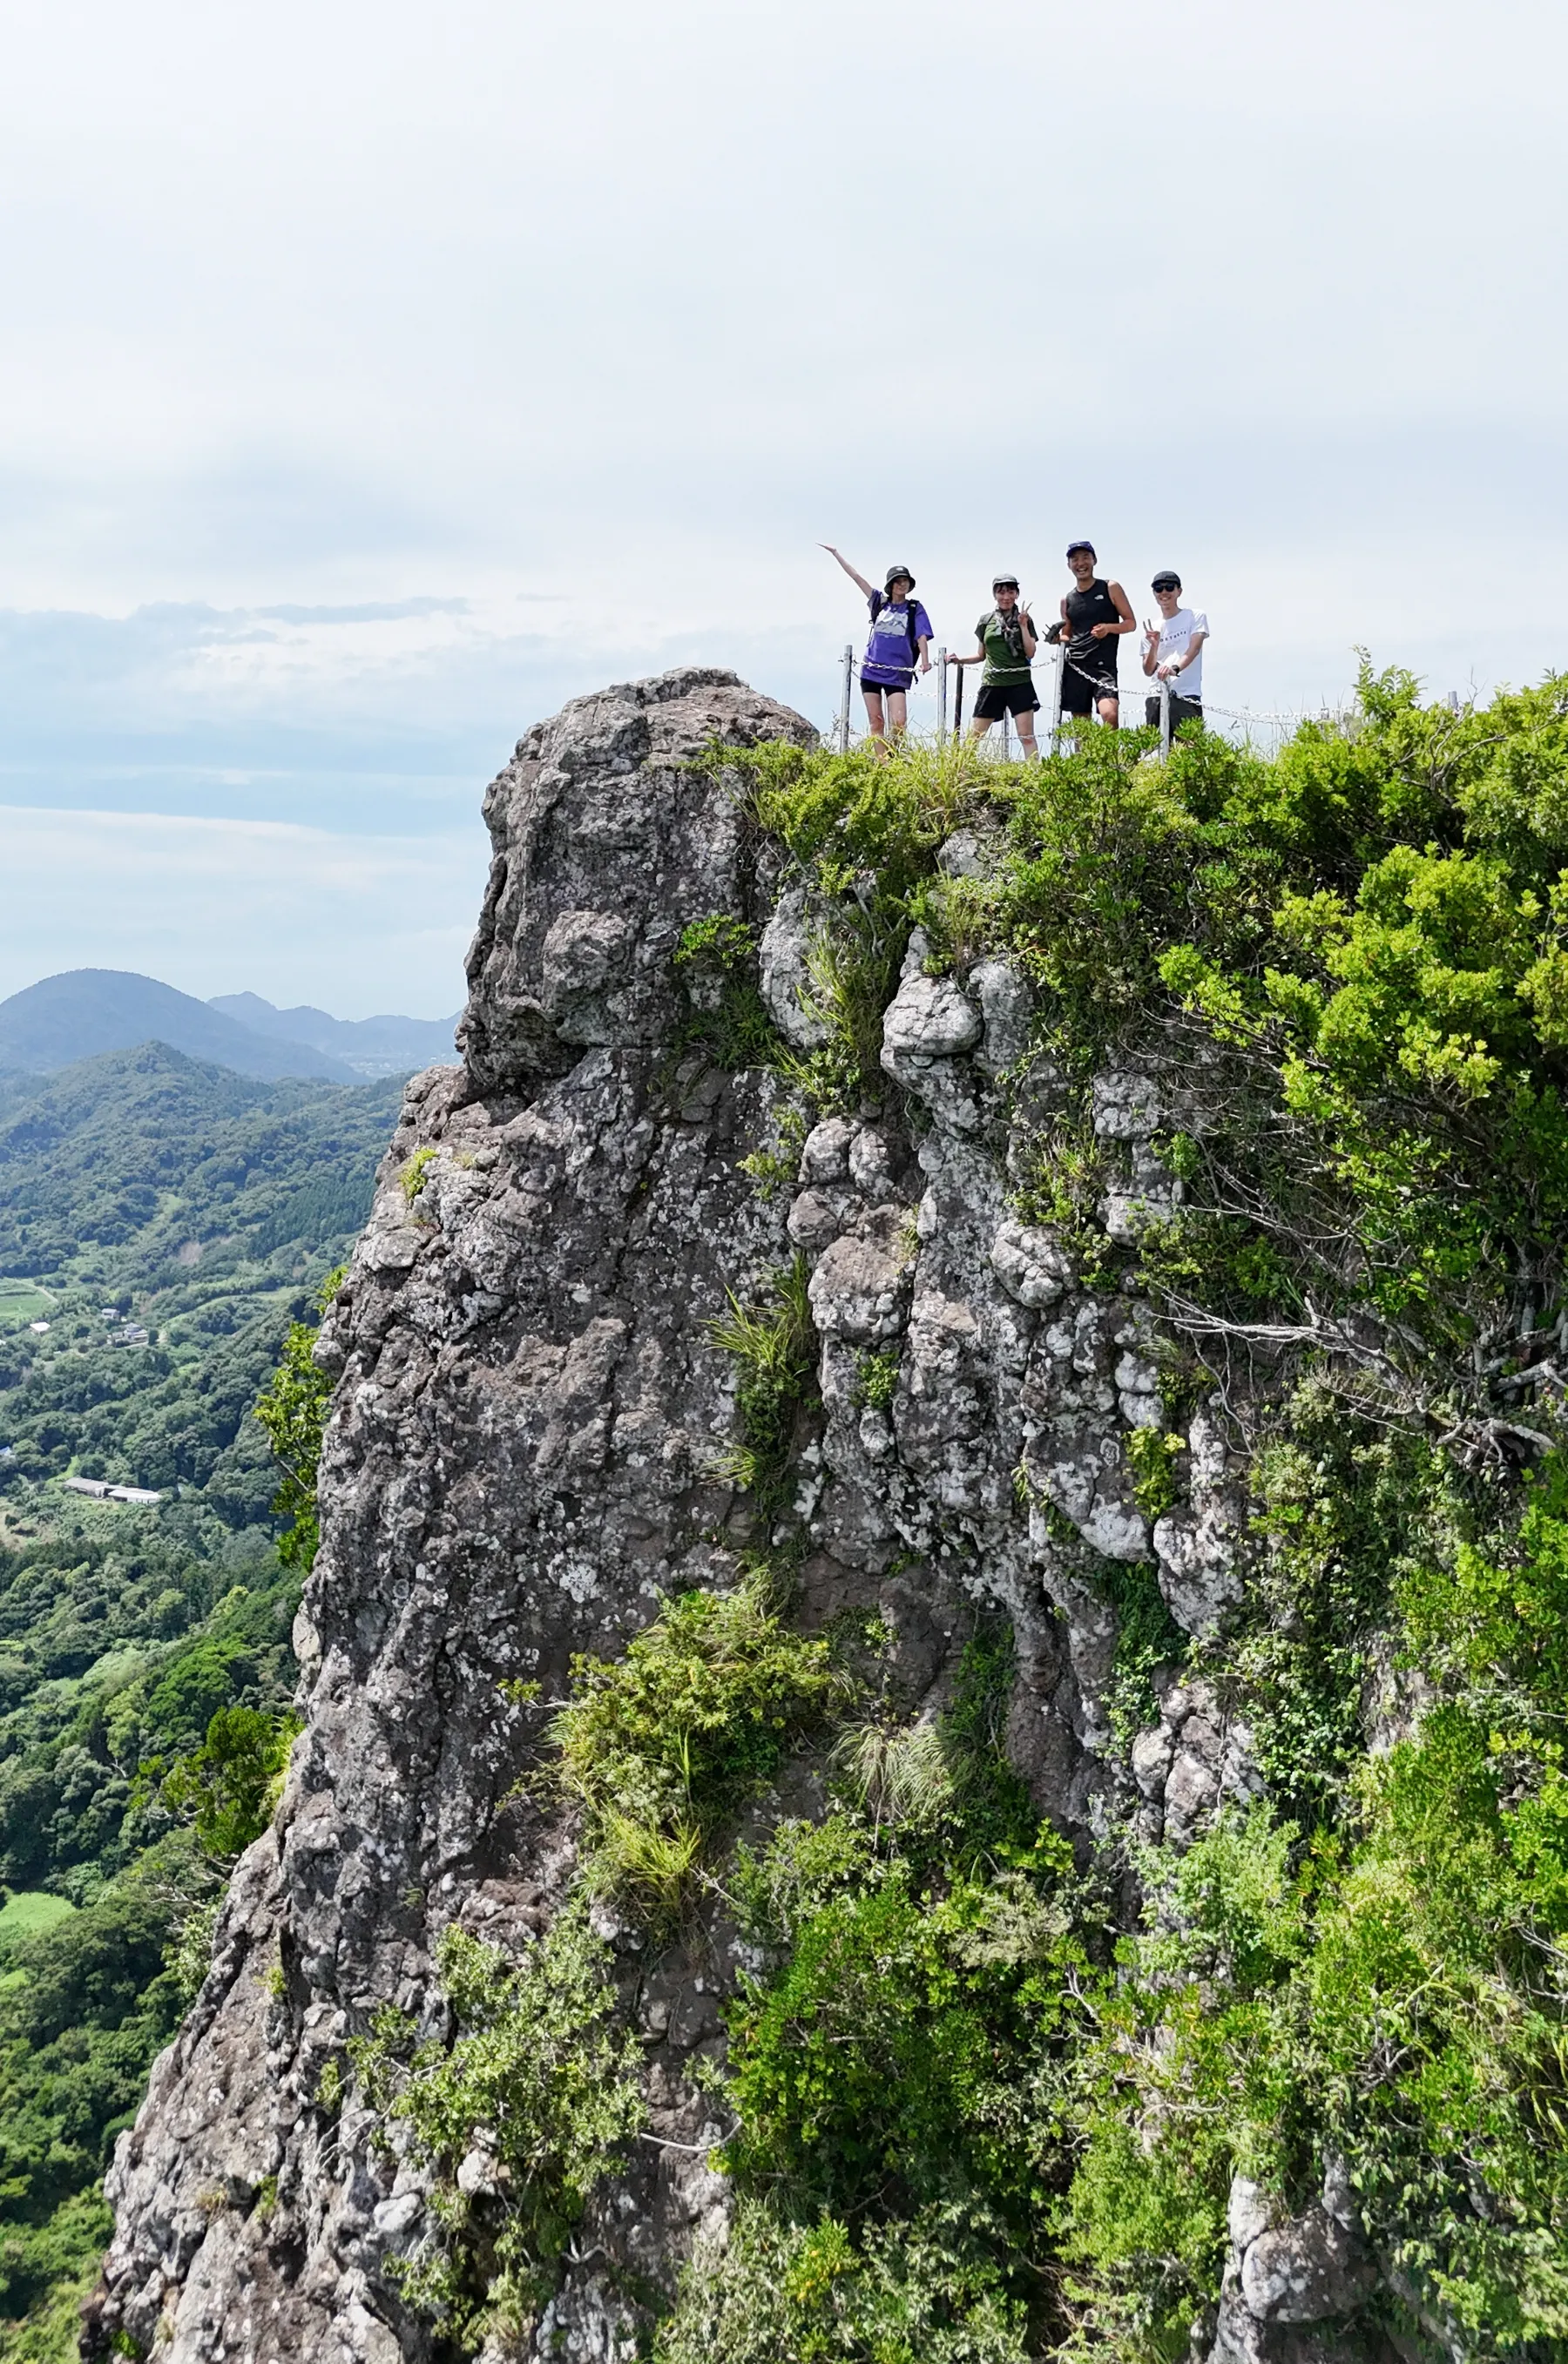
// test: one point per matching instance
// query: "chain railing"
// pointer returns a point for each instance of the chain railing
(998, 746)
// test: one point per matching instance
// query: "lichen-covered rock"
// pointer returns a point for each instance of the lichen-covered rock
(784, 971)
(1030, 1265)
(926, 1029)
(607, 846)
(1200, 1546)
(1310, 2269)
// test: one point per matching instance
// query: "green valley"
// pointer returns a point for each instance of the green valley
(169, 1225)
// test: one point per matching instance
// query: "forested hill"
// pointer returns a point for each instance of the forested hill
(168, 1221)
(144, 1192)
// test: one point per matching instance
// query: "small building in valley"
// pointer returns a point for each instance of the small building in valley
(102, 1492)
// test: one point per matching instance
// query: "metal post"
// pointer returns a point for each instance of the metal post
(1006, 736)
(941, 696)
(1056, 672)
(1165, 718)
(844, 698)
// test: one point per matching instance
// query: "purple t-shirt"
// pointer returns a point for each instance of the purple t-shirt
(888, 658)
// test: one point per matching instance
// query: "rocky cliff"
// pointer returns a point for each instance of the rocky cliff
(531, 1451)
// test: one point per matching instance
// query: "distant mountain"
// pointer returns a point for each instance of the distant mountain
(87, 1011)
(371, 1046)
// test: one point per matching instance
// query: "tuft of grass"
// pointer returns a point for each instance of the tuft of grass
(877, 1381)
(774, 1346)
(414, 1172)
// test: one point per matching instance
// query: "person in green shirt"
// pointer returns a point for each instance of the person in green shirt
(1007, 641)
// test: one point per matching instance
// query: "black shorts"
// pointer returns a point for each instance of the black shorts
(1082, 691)
(899, 689)
(1182, 709)
(995, 698)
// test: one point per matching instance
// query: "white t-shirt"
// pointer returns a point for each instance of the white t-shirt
(1175, 632)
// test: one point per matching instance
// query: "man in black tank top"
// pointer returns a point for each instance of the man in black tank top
(1094, 616)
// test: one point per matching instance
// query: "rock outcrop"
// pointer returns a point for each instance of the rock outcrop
(521, 1460)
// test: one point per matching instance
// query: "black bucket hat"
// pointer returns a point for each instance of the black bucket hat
(893, 573)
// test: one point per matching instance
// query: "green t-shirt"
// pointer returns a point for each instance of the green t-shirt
(1002, 637)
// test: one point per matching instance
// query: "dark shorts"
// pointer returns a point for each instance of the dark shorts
(995, 698)
(885, 681)
(1182, 709)
(1082, 690)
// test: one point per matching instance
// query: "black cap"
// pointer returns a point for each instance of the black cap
(1166, 580)
(893, 573)
(1088, 546)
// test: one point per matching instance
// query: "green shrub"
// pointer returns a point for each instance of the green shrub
(187, 1956)
(543, 2078)
(1147, 1640)
(777, 1168)
(661, 1746)
(926, 2288)
(865, 834)
(229, 1787)
(293, 1410)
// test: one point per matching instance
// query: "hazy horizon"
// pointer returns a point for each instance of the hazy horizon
(236, 993)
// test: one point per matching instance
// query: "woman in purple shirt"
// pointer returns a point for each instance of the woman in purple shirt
(900, 633)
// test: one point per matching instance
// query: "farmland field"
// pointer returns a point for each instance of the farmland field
(31, 1911)
(23, 1300)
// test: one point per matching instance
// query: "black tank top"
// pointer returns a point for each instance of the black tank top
(1085, 608)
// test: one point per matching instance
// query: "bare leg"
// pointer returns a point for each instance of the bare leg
(898, 713)
(873, 698)
(1111, 713)
(979, 727)
(1026, 737)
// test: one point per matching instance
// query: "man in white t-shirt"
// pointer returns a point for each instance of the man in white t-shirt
(1173, 652)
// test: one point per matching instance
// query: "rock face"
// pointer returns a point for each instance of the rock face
(521, 1460)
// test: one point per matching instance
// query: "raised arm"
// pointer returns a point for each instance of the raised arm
(1031, 637)
(1150, 648)
(869, 588)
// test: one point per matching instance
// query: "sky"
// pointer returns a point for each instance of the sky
(375, 378)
